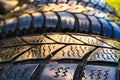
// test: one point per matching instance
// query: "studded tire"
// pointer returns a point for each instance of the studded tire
(42, 43)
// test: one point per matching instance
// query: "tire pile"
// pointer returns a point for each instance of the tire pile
(60, 40)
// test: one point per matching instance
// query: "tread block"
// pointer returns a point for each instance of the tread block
(43, 2)
(90, 11)
(46, 8)
(76, 9)
(104, 54)
(24, 21)
(82, 3)
(108, 9)
(59, 7)
(67, 20)
(95, 2)
(29, 5)
(101, 5)
(107, 28)
(11, 42)
(73, 51)
(95, 12)
(83, 23)
(88, 39)
(39, 52)
(11, 25)
(86, 1)
(6, 54)
(105, 42)
(116, 29)
(21, 72)
(64, 38)
(1, 26)
(37, 39)
(72, 2)
(91, 5)
(52, 1)
(37, 20)
(96, 27)
(58, 72)
(113, 43)
(62, 1)
(94, 72)
(100, 14)
(51, 20)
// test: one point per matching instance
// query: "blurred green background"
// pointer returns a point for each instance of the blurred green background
(115, 4)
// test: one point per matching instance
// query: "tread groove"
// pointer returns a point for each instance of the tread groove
(14, 58)
(90, 26)
(81, 66)
(118, 70)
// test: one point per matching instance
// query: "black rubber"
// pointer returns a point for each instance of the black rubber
(98, 4)
(41, 19)
(92, 7)
(59, 42)
(59, 56)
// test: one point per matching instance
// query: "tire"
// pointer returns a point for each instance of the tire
(59, 56)
(92, 7)
(5, 6)
(97, 4)
(58, 45)
(40, 20)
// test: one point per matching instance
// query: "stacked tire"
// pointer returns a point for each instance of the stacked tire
(60, 40)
